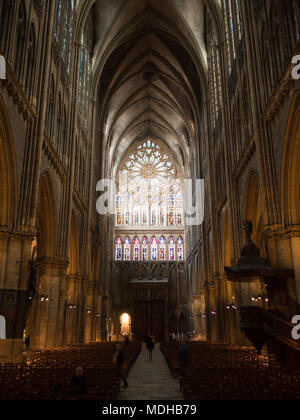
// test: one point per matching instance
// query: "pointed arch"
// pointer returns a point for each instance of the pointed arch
(8, 171)
(46, 219)
(290, 176)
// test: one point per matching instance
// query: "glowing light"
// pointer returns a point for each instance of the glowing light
(125, 324)
(125, 319)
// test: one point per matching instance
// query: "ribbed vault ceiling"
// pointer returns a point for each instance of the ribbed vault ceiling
(149, 75)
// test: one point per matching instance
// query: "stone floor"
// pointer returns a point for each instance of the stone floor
(151, 380)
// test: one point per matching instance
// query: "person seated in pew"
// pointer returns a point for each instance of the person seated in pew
(79, 384)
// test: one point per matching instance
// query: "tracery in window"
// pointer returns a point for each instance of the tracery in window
(150, 191)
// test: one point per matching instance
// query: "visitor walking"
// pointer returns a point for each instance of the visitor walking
(150, 346)
(121, 364)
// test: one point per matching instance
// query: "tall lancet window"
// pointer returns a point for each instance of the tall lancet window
(85, 68)
(172, 249)
(127, 249)
(119, 210)
(136, 215)
(127, 209)
(162, 214)
(162, 249)
(63, 29)
(145, 249)
(136, 250)
(214, 73)
(171, 216)
(154, 250)
(179, 209)
(118, 249)
(180, 250)
(154, 215)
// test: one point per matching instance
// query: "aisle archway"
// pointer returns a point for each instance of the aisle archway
(8, 171)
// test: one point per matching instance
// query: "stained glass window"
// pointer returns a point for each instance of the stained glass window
(127, 249)
(118, 209)
(57, 18)
(136, 216)
(172, 249)
(180, 251)
(85, 68)
(118, 249)
(127, 210)
(162, 212)
(162, 249)
(136, 251)
(151, 179)
(154, 215)
(145, 249)
(144, 216)
(179, 209)
(171, 218)
(63, 29)
(154, 250)
(239, 19)
(215, 69)
(150, 198)
(233, 28)
(156, 247)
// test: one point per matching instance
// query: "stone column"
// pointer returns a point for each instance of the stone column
(48, 305)
(15, 255)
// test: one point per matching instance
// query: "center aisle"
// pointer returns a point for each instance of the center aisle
(151, 380)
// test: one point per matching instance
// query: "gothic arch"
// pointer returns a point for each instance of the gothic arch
(290, 176)
(46, 219)
(8, 171)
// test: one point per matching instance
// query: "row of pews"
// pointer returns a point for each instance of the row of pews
(47, 373)
(220, 372)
